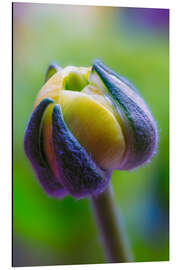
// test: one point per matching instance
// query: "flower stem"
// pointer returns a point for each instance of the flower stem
(111, 231)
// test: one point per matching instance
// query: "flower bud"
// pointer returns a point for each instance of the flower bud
(86, 123)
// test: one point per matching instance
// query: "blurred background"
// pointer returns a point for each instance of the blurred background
(135, 43)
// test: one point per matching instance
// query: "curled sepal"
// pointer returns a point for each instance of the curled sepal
(34, 152)
(77, 171)
(52, 69)
(137, 122)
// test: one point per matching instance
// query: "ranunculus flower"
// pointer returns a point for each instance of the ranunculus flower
(86, 123)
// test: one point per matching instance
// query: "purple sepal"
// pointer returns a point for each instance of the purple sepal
(112, 72)
(34, 152)
(78, 172)
(139, 126)
(52, 69)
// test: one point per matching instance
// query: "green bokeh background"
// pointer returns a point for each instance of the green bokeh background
(47, 231)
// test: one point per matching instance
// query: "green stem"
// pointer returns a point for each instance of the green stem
(111, 231)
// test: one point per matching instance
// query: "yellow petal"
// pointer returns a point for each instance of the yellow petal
(50, 89)
(58, 81)
(94, 126)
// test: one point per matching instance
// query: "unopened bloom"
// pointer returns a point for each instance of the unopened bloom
(86, 123)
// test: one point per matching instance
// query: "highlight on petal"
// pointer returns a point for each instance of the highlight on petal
(34, 151)
(77, 171)
(138, 124)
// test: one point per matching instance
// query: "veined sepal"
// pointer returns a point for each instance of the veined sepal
(78, 173)
(139, 127)
(34, 152)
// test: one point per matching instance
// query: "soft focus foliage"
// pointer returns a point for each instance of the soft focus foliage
(48, 231)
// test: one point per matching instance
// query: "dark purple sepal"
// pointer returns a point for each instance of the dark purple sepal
(78, 172)
(138, 124)
(112, 72)
(52, 69)
(34, 152)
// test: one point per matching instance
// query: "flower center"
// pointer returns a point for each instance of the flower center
(74, 80)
